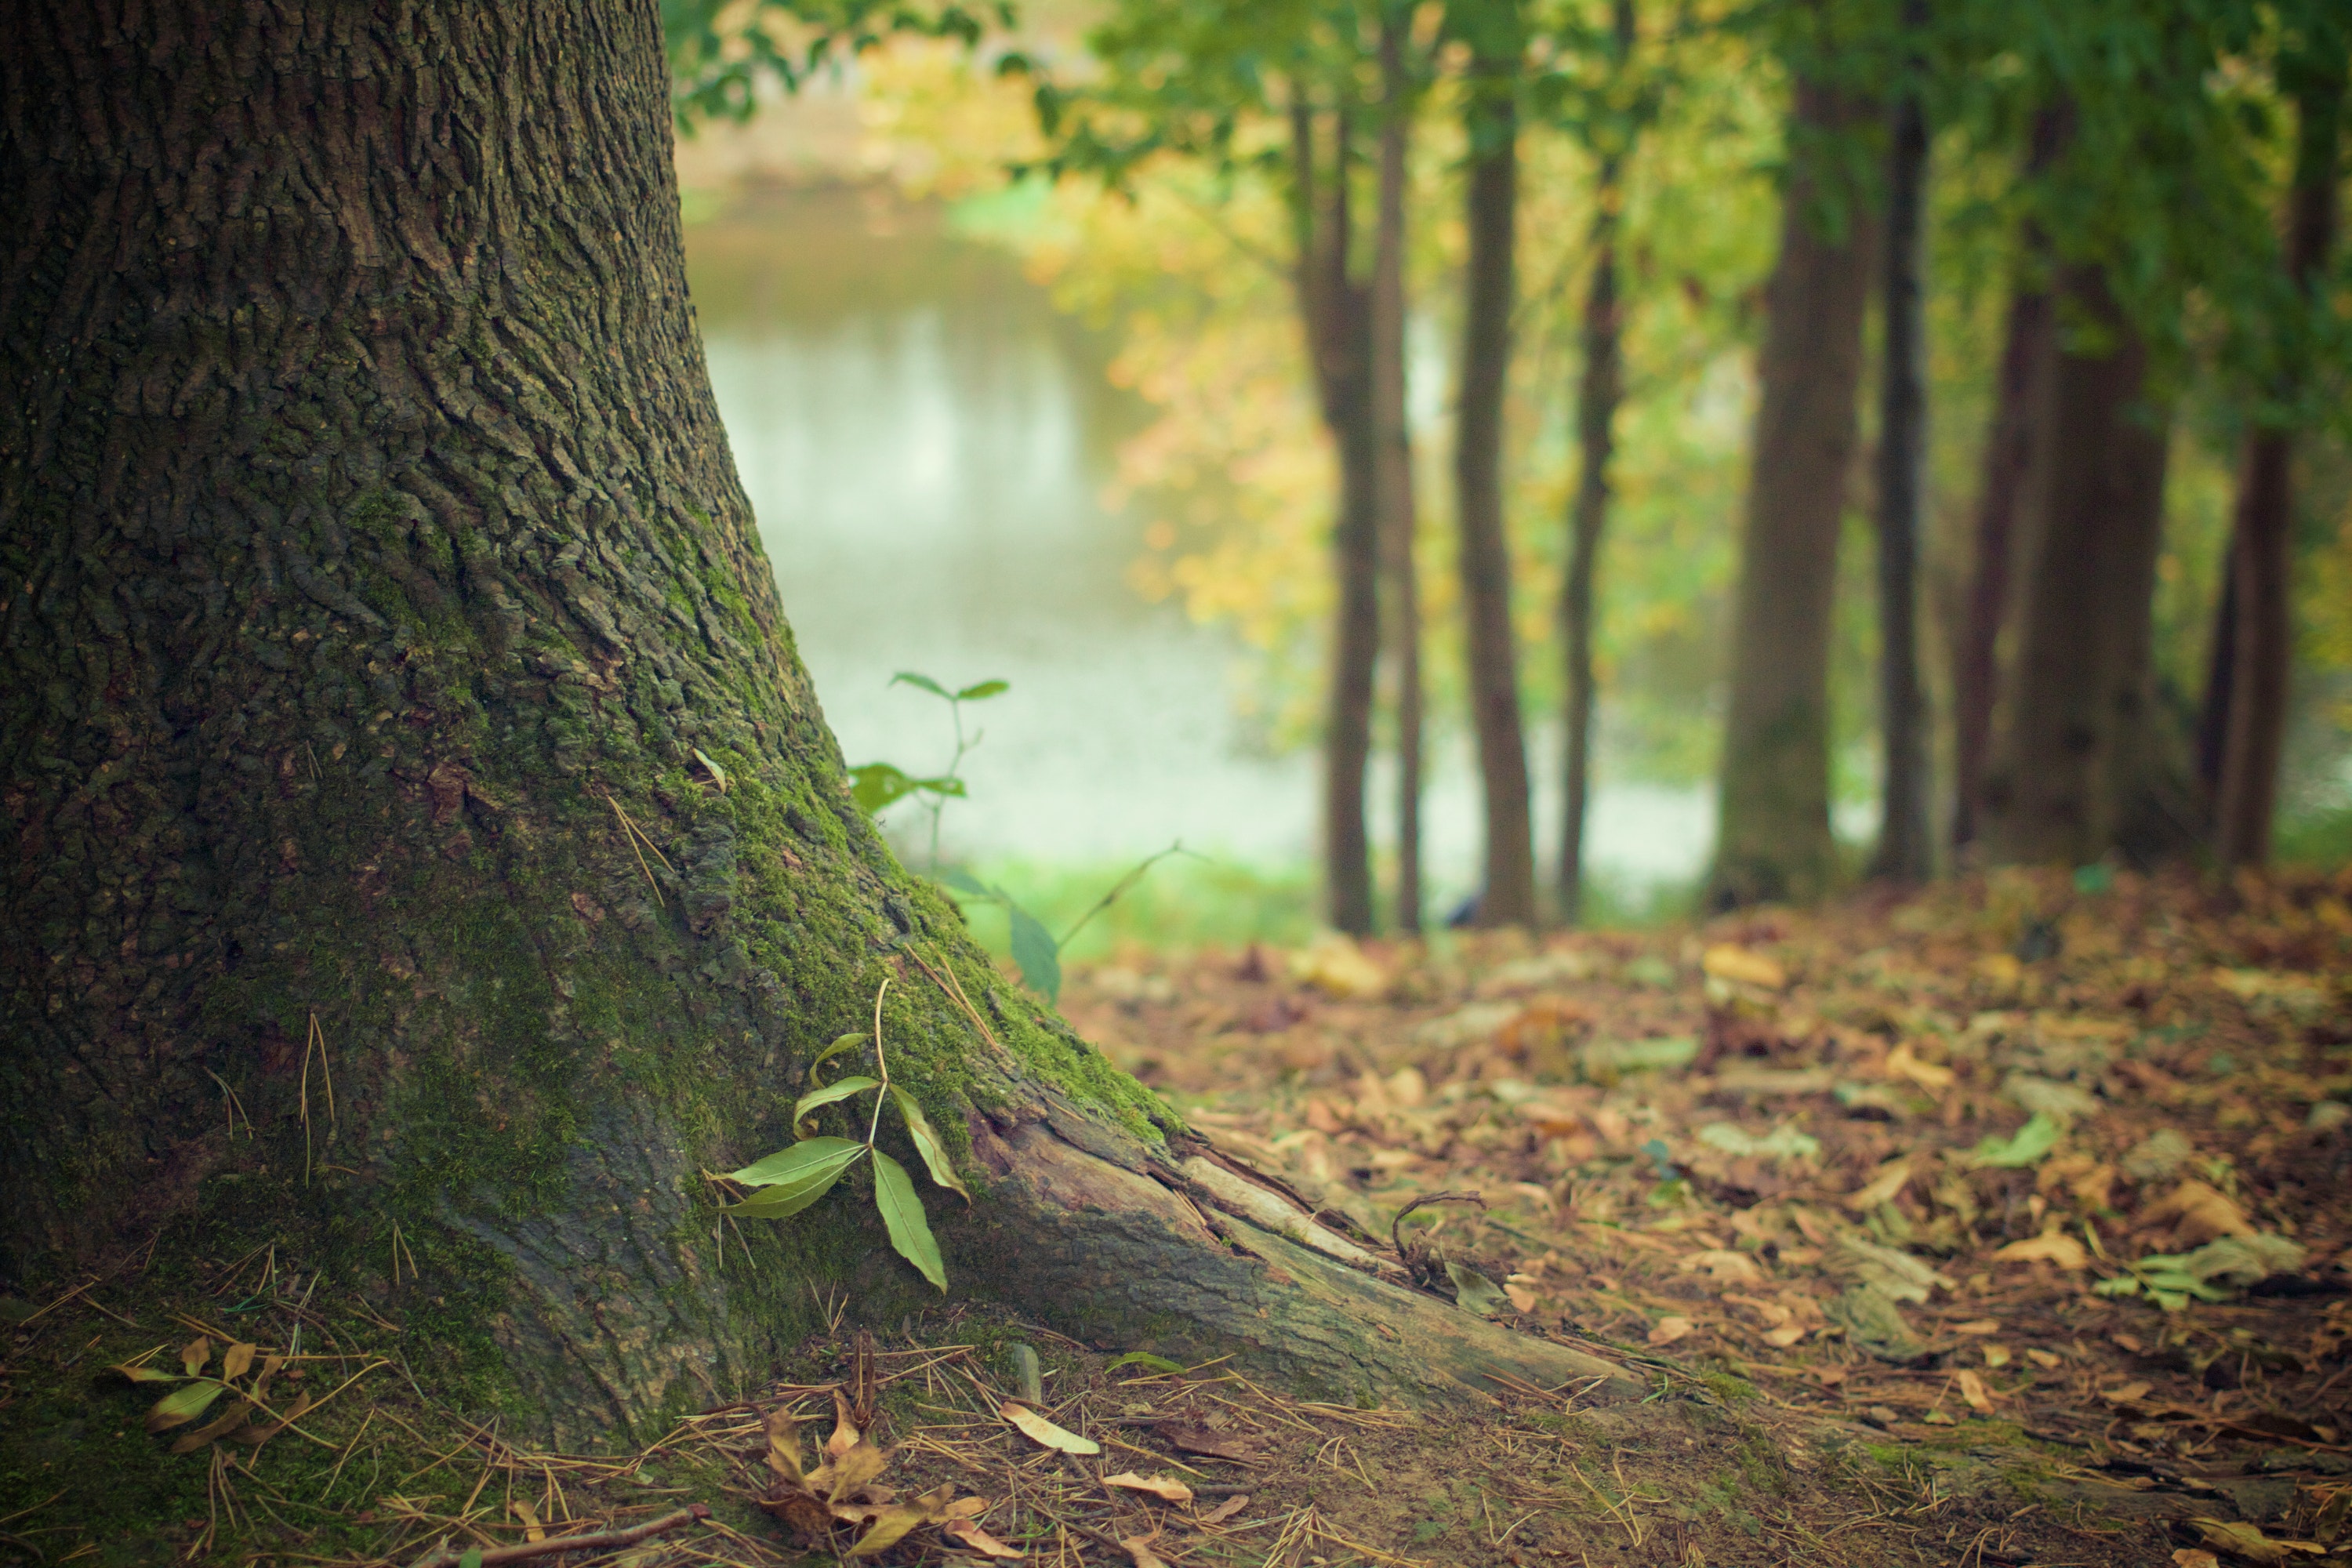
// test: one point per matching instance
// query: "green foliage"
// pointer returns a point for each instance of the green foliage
(877, 786)
(720, 52)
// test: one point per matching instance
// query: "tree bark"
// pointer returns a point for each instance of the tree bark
(1335, 308)
(2262, 545)
(1774, 838)
(1399, 522)
(1508, 897)
(369, 549)
(1598, 393)
(1905, 853)
(2075, 765)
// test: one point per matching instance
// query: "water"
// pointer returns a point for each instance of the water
(926, 443)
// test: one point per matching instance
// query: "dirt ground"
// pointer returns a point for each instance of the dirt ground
(1997, 1226)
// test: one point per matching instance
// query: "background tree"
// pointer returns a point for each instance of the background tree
(392, 687)
(1493, 31)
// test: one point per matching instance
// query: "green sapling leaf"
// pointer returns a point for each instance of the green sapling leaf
(1034, 950)
(856, 1083)
(910, 677)
(902, 1216)
(797, 1177)
(982, 690)
(927, 1144)
(877, 786)
(848, 1042)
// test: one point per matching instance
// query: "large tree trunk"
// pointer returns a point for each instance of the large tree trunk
(1508, 897)
(2261, 560)
(1905, 851)
(1336, 308)
(368, 548)
(2075, 765)
(1398, 521)
(1774, 835)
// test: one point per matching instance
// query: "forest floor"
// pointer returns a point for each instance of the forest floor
(1995, 1227)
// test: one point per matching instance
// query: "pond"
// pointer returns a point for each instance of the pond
(926, 443)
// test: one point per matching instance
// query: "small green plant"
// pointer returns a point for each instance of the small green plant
(876, 786)
(1036, 950)
(791, 1181)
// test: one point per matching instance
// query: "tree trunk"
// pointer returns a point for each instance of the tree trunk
(1905, 853)
(1774, 835)
(1335, 310)
(369, 550)
(1508, 897)
(2262, 549)
(1600, 389)
(1397, 518)
(2074, 762)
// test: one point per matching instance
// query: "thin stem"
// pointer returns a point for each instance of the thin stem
(880, 1066)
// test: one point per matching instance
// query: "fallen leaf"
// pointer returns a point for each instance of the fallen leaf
(1208, 1444)
(2198, 1214)
(1473, 1292)
(892, 1524)
(2042, 1359)
(1166, 1489)
(194, 1353)
(2125, 1393)
(1883, 1188)
(1671, 1328)
(1725, 961)
(2029, 1145)
(1725, 1266)
(1523, 1298)
(1336, 966)
(1972, 1389)
(531, 1529)
(1140, 1552)
(1996, 1356)
(1044, 1432)
(2051, 1246)
(2191, 1557)
(2247, 1541)
(1226, 1510)
(1978, 1326)
(971, 1538)
(235, 1360)
(1901, 1063)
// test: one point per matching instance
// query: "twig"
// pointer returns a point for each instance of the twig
(631, 834)
(880, 1064)
(954, 988)
(604, 1541)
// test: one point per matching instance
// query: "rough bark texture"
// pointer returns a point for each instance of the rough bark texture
(1596, 396)
(1335, 308)
(2075, 762)
(1774, 834)
(1905, 851)
(369, 546)
(1398, 521)
(2261, 579)
(1508, 896)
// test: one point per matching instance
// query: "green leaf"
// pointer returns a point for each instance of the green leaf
(848, 1042)
(716, 771)
(951, 788)
(856, 1083)
(2026, 1147)
(910, 677)
(147, 1373)
(2121, 1285)
(1035, 952)
(1145, 1359)
(471, 1559)
(927, 1144)
(183, 1403)
(958, 880)
(1473, 1292)
(902, 1216)
(982, 690)
(797, 1177)
(877, 786)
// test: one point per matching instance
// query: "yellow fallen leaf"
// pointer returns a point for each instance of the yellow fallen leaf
(2247, 1541)
(1727, 961)
(2191, 1557)
(1044, 1432)
(1166, 1489)
(235, 1360)
(2051, 1246)
(2001, 968)
(531, 1529)
(1140, 1552)
(1784, 1336)
(1725, 1266)
(1901, 1063)
(1996, 1356)
(1226, 1510)
(1669, 1330)
(1972, 1389)
(1336, 966)
(971, 1538)
(1523, 1298)
(2199, 1214)
(891, 1525)
(2042, 1358)
(1883, 1188)
(1978, 1326)
(2125, 1393)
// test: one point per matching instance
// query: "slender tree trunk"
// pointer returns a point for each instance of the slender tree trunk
(2075, 763)
(1774, 838)
(1508, 897)
(1905, 850)
(392, 693)
(1337, 311)
(1398, 520)
(1596, 396)
(2262, 549)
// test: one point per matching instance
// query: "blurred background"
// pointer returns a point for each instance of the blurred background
(1064, 433)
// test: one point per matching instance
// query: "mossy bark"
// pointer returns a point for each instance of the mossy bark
(369, 550)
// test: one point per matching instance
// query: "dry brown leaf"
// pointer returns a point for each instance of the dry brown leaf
(1671, 1328)
(531, 1529)
(1884, 1186)
(1727, 961)
(1978, 1326)
(235, 1360)
(844, 1430)
(2193, 1557)
(1901, 1063)
(1044, 1432)
(2197, 1215)
(2051, 1246)
(2125, 1393)
(971, 1538)
(1226, 1510)
(784, 1446)
(1725, 1266)
(1972, 1389)
(892, 1524)
(1165, 1488)
(2042, 1358)
(1140, 1552)
(2247, 1541)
